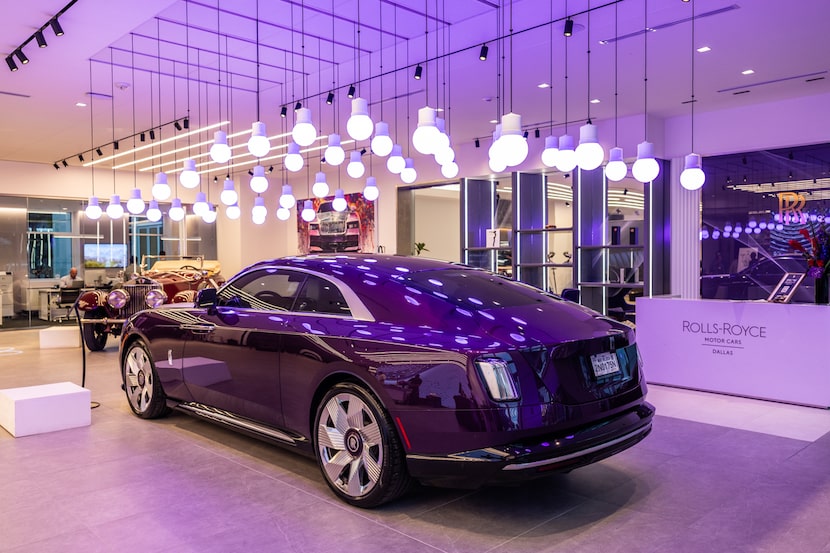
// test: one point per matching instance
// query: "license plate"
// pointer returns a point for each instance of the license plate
(605, 363)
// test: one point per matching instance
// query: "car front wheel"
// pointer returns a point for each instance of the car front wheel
(144, 392)
(358, 450)
(95, 334)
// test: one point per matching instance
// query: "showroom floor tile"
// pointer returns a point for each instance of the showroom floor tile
(718, 473)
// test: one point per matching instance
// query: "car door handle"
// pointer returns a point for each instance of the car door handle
(199, 328)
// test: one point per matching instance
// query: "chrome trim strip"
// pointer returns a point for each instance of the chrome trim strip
(522, 466)
(104, 321)
(201, 411)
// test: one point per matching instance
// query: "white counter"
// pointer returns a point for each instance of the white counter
(762, 350)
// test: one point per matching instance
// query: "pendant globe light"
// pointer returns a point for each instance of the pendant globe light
(589, 152)
(334, 153)
(692, 177)
(233, 212)
(616, 169)
(161, 190)
(293, 160)
(200, 205)
(307, 214)
(370, 191)
(396, 163)
(355, 168)
(189, 178)
(449, 170)
(259, 210)
(135, 204)
(228, 196)
(303, 133)
(153, 211)
(551, 151)
(176, 211)
(514, 146)
(283, 213)
(287, 199)
(381, 144)
(646, 168)
(258, 145)
(220, 152)
(209, 216)
(259, 183)
(93, 209)
(566, 157)
(409, 174)
(359, 125)
(425, 135)
(339, 203)
(114, 209)
(320, 188)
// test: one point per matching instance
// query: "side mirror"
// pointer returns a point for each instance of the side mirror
(206, 297)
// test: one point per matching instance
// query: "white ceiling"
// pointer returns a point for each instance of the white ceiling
(117, 50)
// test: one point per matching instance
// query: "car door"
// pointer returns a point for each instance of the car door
(232, 355)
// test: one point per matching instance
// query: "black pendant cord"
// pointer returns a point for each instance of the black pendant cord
(616, 71)
(645, 71)
(588, 64)
(566, 74)
(550, 51)
(426, 48)
(692, 122)
(257, 53)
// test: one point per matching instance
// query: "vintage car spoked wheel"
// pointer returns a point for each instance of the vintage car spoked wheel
(143, 390)
(95, 334)
(358, 450)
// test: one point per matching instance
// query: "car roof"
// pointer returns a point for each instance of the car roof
(383, 265)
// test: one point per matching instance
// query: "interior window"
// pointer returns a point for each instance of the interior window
(263, 289)
(321, 296)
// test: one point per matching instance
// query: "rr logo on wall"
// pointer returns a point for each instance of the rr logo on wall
(790, 206)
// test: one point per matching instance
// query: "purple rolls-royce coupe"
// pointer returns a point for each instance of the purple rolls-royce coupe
(389, 369)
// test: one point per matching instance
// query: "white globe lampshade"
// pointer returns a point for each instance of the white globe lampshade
(320, 188)
(381, 144)
(443, 139)
(616, 169)
(409, 175)
(233, 212)
(200, 206)
(371, 191)
(258, 219)
(283, 213)
(115, 210)
(444, 156)
(259, 211)
(355, 168)
(287, 199)
(339, 203)
(176, 211)
(220, 152)
(153, 211)
(293, 160)
(303, 132)
(161, 190)
(359, 126)
(229, 195)
(646, 168)
(493, 150)
(497, 165)
(308, 211)
(425, 136)
(259, 183)
(589, 153)
(258, 144)
(396, 163)
(566, 160)
(551, 151)
(449, 170)
(693, 177)
(189, 178)
(135, 204)
(334, 153)
(93, 209)
(513, 143)
(209, 216)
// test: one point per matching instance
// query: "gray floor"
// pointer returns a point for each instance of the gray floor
(124, 484)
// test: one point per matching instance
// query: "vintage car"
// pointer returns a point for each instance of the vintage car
(390, 369)
(167, 280)
(334, 231)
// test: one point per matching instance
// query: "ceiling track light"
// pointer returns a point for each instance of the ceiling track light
(351, 91)
(152, 134)
(12, 65)
(81, 158)
(482, 55)
(298, 105)
(569, 27)
(21, 56)
(177, 125)
(41, 42)
(418, 71)
(56, 27)
(143, 137)
(478, 143)
(115, 145)
(186, 123)
(65, 164)
(283, 111)
(56, 166)
(330, 98)
(99, 152)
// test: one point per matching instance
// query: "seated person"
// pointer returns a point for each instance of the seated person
(71, 280)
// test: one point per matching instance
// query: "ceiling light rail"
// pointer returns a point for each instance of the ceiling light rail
(37, 37)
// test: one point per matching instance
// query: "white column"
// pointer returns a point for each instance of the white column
(685, 236)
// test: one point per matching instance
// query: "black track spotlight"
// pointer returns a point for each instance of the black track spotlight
(143, 137)
(482, 54)
(330, 98)
(271, 169)
(536, 133)
(478, 143)
(525, 135)
(21, 56)
(418, 71)
(10, 62)
(283, 111)
(298, 105)
(569, 27)
(362, 151)
(351, 91)
(250, 172)
(152, 134)
(177, 125)
(56, 27)
(56, 166)
(64, 163)
(186, 123)
(41, 42)
(115, 145)
(81, 158)
(99, 152)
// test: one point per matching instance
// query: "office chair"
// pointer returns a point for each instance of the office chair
(66, 300)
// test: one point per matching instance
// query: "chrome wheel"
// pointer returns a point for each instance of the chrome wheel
(144, 393)
(350, 445)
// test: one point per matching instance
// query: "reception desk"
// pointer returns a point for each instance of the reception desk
(755, 349)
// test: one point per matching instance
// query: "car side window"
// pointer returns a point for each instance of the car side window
(321, 296)
(263, 289)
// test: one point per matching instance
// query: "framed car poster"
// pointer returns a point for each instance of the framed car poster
(786, 287)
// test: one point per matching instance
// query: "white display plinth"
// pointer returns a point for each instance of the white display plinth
(755, 349)
(45, 408)
(60, 337)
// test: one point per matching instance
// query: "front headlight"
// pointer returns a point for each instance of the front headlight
(118, 298)
(353, 224)
(155, 298)
(496, 376)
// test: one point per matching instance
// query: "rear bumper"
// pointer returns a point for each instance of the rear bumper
(531, 459)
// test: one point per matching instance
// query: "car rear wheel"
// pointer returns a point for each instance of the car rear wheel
(144, 392)
(358, 450)
(95, 334)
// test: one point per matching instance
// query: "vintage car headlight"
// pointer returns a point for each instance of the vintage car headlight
(496, 376)
(155, 298)
(118, 298)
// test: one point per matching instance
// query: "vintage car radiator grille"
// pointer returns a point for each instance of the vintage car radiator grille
(333, 227)
(138, 293)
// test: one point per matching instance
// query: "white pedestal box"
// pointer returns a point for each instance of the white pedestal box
(60, 337)
(46, 408)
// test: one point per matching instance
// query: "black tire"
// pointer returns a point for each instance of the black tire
(357, 448)
(144, 392)
(95, 334)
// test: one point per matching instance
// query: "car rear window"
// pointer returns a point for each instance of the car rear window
(475, 289)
